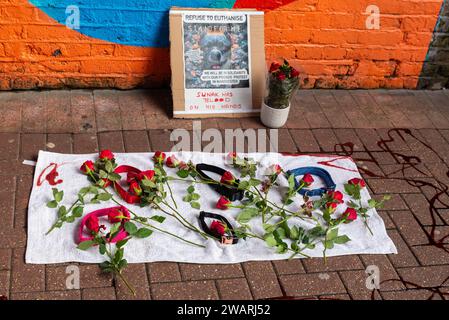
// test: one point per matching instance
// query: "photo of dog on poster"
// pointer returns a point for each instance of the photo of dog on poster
(216, 55)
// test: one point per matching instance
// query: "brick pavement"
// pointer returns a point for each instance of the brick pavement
(399, 139)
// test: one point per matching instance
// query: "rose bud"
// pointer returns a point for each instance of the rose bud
(274, 169)
(115, 216)
(350, 215)
(106, 155)
(88, 167)
(336, 195)
(183, 166)
(294, 73)
(332, 206)
(148, 174)
(218, 227)
(274, 67)
(135, 188)
(357, 182)
(159, 156)
(92, 223)
(232, 155)
(223, 203)
(281, 76)
(307, 179)
(227, 178)
(172, 161)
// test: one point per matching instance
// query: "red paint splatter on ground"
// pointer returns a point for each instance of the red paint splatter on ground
(51, 176)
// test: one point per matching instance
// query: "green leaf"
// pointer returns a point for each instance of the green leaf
(328, 244)
(279, 233)
(191, 189)
(183, 173)
(332, 234)
(118, 255)
(122, 264)
(282, 248)
(159, 219)
(130, 228)
(114, 176)
(84, 190)
(372, 203)
(268, 227)
(243, 185)
(70, 219)
(294, 246)
(121, 243)
(294, 233)
(254, 182)
(85, 245)
(62, 211)
(195, 205)
(342, 239)
(104, 196)
(93, 190)
(270, 240)
(59, 195)
(115, 227)
(291, 182)
(143, 233)
(108, 166)
(52, 204)
(102, 248)
(77, 211)
(247, 214)
(195, 196)
(103, 174)
(187, 198)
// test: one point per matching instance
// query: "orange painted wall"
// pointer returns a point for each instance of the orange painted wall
(326, 39)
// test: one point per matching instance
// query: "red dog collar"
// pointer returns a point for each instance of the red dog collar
(132, 173)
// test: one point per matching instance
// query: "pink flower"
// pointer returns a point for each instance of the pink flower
(307, 179)
(274, 169)
(357, 182)
(227, 178)
(337, 196)
(172, 161)
(87, 167)
(106, 155)
(114, 216)
(218, 227)
(232, 155)
(92, 223)
(350, 215)
(183, 166)
(223, 203)
(159, 156)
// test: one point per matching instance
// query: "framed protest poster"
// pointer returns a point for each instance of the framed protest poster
(217, 62)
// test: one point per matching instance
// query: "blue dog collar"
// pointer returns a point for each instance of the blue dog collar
(315, 171)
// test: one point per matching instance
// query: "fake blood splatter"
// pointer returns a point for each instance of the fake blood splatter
(51, 176)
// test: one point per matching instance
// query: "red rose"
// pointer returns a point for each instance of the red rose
(274, 67)
(218, 227)
(307, 179)
(106, 155)
(332, 206)
(183, 166)
(172, 161)
(149, 174)
(274, 169)
(159, 156)
(357, 182)
(350, 214)
(135, 188)
(227, 178)
(92, 223)
(87, 167)
(223, 203)
(336, 196)
(281, 76)
(114, 215)
(294, 73)
(232, 155)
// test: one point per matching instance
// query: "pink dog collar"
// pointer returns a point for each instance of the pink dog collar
(122, 234)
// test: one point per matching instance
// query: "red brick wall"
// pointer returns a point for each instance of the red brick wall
(326, 39)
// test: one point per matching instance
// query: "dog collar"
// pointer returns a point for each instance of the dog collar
(232, 193)
(224, 239)
(315, 171)
(122, 234)
(131, 174)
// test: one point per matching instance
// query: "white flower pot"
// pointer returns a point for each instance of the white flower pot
(273, 118)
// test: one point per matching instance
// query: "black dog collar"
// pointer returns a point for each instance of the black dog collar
(232, 193)
(224, 239)
(315, 171)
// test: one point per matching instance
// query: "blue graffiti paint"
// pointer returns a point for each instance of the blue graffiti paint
(141, 23)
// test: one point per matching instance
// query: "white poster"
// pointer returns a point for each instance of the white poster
(217, 62)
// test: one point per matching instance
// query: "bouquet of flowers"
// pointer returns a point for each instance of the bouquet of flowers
(282, 83)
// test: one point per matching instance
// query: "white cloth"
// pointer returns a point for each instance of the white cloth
(59, 246)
